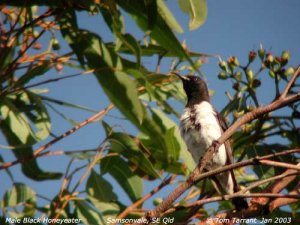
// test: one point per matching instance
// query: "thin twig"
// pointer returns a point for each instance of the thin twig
(235, 195)
(53, 141)
(280, 164)
(146, 197)
(82, 178)
(267, 180)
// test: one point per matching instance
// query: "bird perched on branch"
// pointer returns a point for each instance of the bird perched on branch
(200, 126)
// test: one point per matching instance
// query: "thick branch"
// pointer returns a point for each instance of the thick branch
(278, 186)
(282, 101)
(259, 205)
(285, 201)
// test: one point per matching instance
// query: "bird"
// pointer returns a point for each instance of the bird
(200, 126)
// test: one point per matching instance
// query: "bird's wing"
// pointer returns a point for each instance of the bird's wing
(229, 154)
(224, 127)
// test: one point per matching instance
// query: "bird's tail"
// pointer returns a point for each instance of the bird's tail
(239, 203)
(225, 183)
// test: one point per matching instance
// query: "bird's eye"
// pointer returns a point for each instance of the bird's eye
(196, 79)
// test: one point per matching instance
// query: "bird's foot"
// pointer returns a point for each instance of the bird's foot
(215, 144)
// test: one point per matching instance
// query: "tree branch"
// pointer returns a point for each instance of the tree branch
(259, 205)
(282, 101)
(276, 203)
(37, 152)
(146, 197)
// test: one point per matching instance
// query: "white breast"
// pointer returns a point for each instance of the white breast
(199, 127)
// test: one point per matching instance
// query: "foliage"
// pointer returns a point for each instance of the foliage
(38, 38)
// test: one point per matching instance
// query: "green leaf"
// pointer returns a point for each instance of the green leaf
(129, 148)
(173, 146)
(119, 169)
(34, 71)
(133, 46)
(118, 86)
(151, 10)
(154, 90)
(113, 18)
(7, 55)
(19, 193)
(123, 93)
(16, 121)
(167, 15)
(68, 104)
(231, 106)
(167, 124)
(108, 209)
(108, 130)
(197, 9)
(152, 138)
(21, 109)
(30, 168)
(98, 188)
(114, 21)
(87, 213)
(82, 154)
(152, 49)
(161, 32)
(39, 115)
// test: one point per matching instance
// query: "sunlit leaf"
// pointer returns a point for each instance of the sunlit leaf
(166, 123)
(19, 193)
(161, 32)
(16, 121)
(30, 169)
(167, 15)
(116, 84)
(39, 115)
(197, 9)
(87, 213)
(108, 209)
(173, 146)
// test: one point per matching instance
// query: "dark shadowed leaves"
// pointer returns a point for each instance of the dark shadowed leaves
(133, 150)
(87, 213)
(119, 169)
(108, 65)
(160, 32)
(99, 188)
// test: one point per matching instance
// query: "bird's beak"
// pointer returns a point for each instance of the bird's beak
(183, 78)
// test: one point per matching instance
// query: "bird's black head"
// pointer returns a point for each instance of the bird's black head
(195, 89)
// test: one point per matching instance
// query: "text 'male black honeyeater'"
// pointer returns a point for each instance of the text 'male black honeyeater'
(200, 126)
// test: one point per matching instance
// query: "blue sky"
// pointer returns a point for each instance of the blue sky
(233, 27)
